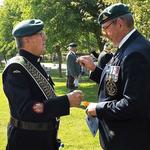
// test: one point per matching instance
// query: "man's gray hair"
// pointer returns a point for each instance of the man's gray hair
(19, 42)
(128, 18)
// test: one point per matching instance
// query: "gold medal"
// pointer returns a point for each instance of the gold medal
(111, 87)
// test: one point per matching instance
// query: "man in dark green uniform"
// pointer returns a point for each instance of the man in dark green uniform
(34, 107)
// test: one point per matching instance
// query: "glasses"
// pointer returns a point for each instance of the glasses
(106, 27)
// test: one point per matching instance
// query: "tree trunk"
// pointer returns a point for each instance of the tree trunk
(59, 59)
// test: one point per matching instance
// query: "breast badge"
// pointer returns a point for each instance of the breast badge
(111, 88)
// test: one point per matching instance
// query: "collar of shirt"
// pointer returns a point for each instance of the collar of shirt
(29, 56)
(126, 37)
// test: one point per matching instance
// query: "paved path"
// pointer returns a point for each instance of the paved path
(53, 66)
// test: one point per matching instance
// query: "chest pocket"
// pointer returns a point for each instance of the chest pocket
(111, 80)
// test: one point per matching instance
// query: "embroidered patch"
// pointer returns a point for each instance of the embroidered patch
(111, 87)
(16, 71)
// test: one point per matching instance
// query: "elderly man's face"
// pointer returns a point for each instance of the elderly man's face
(111, 30)
(37, 42)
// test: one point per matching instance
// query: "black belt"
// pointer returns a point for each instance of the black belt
(34, 126)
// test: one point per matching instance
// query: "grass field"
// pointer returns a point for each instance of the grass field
(73, 129)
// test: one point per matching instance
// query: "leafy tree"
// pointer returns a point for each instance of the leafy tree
(65, 21)
(68, 21)
(85, 18)
(8, 18)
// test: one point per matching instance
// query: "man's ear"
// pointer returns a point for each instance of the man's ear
(121, 22)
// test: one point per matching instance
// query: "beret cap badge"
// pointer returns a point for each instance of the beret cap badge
(104, 17)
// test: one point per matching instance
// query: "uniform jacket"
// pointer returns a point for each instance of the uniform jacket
(73, 68)
(124, 96)
(22, 93)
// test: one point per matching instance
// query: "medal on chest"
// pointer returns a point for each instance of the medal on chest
(111, 80)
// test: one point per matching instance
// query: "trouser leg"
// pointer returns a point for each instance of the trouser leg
(70, 83)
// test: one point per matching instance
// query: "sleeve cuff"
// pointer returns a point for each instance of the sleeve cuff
(99, 109)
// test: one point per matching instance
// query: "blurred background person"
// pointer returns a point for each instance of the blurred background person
(105, 56)
(73, 68)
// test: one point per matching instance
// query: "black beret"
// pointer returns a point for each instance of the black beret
(27, 28)
(72, 45)
(112, 12)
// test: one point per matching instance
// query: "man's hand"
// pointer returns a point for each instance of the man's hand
(87, 62)
(75, 98)
(38, 108)
(91, 110)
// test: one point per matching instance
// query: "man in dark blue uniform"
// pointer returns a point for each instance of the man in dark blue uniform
(123, 109)
(34, 107)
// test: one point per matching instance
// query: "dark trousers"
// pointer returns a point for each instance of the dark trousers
(70, 83)
(19, 139)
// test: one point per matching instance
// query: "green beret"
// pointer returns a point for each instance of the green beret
(72, 45)
(112, 12)
(27, 28)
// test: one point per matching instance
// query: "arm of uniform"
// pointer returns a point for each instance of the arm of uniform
(96, 75)
(58, 106)
(132, 99)
(23, 94)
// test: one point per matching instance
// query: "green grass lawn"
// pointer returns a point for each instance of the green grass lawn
(73, 130)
